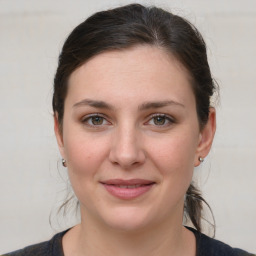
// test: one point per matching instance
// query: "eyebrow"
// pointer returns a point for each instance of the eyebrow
(144, 106)
(94, 103)
(159, 104)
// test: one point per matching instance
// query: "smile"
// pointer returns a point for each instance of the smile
(127, 189)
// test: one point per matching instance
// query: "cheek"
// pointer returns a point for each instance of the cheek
(174, 153)
(85, 154)
(174, 158)
(85, 158)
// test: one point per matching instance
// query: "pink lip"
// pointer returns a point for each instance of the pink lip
(141, 187)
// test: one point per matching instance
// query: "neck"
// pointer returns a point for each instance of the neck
(94, 238)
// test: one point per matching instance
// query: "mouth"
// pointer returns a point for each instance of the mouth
(128, 189)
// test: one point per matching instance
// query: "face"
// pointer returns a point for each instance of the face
(131, 138)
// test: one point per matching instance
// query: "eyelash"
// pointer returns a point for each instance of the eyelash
(167, 118)
(87, 118)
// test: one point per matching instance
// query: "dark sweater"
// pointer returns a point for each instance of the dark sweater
(205, 246)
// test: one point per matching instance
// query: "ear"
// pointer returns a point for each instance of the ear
(206, 137)
(59, 136)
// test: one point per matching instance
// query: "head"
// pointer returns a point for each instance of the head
(131, 31)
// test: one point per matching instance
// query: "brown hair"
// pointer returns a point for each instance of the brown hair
(132, 25)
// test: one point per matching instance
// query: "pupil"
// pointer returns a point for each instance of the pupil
(97, 120)
(159, 120)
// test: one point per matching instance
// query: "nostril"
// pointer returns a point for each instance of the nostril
(126, 149)
(126, 160)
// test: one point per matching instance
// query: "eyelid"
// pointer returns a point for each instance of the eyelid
(92, 115)
(168, 117)
(162, 115)
(87, 117)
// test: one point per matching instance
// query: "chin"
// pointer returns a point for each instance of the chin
(127, 219)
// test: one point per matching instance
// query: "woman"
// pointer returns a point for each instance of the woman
(132, 119)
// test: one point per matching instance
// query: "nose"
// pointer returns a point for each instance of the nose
(126, 148)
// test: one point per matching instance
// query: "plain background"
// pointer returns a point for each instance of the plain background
(32, 180)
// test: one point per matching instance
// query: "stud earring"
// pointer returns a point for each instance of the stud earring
(64, 163)
(201, 159)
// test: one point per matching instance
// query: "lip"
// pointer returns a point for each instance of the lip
(127, 189)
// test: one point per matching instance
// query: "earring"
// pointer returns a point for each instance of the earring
(201, 159)
(64, 163)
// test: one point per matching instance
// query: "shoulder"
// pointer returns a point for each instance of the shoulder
(52, 247)
(207, 246)
(210, 246)
(41, 249)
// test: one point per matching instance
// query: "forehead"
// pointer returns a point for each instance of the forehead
(138, 71)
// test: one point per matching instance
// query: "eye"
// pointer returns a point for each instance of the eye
(160, 120)
(95, 120)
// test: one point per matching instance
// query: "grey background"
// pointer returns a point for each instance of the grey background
(32, 186)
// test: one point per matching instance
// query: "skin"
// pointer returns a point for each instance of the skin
(127, 141)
